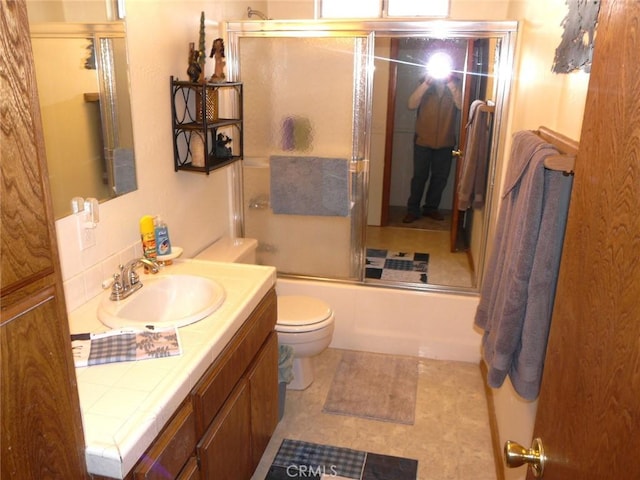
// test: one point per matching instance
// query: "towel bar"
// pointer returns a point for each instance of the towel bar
(568, 148)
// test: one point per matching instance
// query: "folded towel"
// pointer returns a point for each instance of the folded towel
(125, 346)
(310, 186)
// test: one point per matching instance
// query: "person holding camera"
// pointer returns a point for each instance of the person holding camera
(437, 102)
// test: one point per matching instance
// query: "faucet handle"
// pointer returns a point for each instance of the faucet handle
(116, 287)
(133, 277)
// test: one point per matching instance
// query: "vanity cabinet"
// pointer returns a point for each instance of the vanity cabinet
(223, 426)
(41, 421)
(202, 139)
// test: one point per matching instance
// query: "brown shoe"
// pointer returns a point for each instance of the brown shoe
(409, 218)
(435, 214)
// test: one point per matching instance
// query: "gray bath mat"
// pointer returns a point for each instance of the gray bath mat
(375, 386)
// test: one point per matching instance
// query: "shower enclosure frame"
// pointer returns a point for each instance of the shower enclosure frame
(367, 31)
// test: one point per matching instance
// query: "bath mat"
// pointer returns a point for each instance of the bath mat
(298, 459)
(404, 267)
(374, 386)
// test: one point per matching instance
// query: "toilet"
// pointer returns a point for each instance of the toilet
(304, 323)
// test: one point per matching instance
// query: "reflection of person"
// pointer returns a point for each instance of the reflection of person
(437, 102)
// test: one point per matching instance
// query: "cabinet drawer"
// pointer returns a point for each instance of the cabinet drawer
(215, 385)
(190, 470)
(171, 450)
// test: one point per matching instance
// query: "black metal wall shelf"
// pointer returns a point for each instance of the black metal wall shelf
(202, 140)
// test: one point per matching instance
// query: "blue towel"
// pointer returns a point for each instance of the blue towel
(310, 186)
(518, 290)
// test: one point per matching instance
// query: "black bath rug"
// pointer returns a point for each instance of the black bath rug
(298, 459)
(404, 267)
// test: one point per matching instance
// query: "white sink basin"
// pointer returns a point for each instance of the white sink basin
(164, 301)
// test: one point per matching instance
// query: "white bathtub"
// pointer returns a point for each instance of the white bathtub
(384, 320)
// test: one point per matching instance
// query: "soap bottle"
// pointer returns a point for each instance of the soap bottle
(163, 244)
(148, 238)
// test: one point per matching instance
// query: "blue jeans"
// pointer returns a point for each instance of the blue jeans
(434, 162)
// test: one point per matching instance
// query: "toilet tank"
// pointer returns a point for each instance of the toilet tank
(234, 250)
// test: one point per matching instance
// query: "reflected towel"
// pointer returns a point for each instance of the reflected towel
(516, 299)
(475, 164)
(310, 186)
(124, 171)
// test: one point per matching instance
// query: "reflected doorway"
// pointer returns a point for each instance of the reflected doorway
(400, 64)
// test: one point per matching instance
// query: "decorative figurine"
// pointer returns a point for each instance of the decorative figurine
(194, 69)
(217, 53)
(222, 151)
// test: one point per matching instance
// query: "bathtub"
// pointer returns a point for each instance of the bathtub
(402, 322)
(377, 319)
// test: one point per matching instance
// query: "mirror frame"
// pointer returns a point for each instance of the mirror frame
(101, 33)
(504, 31)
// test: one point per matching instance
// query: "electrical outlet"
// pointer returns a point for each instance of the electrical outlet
(87, 236)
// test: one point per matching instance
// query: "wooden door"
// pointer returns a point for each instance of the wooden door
(589, 408)
(41, 422)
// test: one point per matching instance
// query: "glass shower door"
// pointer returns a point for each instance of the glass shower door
(305, 167)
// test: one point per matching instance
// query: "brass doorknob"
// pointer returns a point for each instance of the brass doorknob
(457, 153)
(516, 455)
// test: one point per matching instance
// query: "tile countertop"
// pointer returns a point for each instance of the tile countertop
(125, 405)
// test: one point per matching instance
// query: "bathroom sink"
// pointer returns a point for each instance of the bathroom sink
(164, 301)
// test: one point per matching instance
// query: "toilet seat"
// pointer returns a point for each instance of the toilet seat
(298, 313)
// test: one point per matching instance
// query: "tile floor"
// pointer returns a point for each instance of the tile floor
(450, 437)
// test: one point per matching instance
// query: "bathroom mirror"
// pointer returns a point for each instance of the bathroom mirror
(83, 88)
(340, 88)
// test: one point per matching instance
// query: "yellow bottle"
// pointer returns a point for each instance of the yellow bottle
(148, 237)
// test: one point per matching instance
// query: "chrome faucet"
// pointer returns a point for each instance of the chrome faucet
(127, 281)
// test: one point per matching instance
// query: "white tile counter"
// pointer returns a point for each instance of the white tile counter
(125, 405)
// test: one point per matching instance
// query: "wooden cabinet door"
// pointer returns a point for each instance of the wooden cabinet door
(172, 449)
(39, 404)
(263, 384)
(224, 450)
(41, 421)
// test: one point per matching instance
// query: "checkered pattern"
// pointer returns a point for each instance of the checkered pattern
(311, 457)
(406, 267)
(115, 346)
(304, 460)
